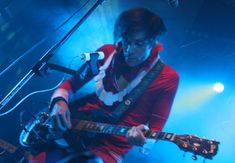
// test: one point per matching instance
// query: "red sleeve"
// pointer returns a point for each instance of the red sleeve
(107, 49)
(164, 98)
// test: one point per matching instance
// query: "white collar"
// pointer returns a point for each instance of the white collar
(109, 97)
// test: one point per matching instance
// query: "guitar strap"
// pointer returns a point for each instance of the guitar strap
(132, 97)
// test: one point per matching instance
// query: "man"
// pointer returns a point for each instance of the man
(135, 52)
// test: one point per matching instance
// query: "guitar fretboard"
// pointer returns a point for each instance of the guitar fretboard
(98, 127)
(159, 135)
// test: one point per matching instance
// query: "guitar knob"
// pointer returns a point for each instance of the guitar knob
(194, 157)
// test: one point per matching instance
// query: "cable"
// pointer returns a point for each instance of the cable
(30, 94)
(39, 91)
(2, 152)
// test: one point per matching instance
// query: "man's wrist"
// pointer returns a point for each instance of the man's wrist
(55, 100)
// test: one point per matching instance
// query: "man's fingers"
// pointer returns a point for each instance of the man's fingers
(142, 127)
(132, 132)
(61, 116)
(135, 135)
(66, 120)
(57, 122)
(63, 121)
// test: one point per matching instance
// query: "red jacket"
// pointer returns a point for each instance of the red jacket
(152, 108)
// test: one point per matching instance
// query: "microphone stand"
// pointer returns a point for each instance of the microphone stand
(85, 73)
(42, 62)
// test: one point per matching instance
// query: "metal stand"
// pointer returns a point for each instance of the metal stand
(42, 62)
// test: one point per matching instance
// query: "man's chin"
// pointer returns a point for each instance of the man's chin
(132, 64)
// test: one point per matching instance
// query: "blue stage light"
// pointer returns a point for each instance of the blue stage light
(218, 87)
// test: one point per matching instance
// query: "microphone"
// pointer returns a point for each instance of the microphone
(88, 70)
(173, 3)
(87, 56)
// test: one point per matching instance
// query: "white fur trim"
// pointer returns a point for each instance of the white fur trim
(109, 97)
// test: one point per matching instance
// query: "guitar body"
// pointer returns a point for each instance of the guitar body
(41, 134)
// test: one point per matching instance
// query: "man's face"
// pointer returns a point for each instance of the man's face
(136, 49)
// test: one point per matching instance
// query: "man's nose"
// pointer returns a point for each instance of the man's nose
(130, 47)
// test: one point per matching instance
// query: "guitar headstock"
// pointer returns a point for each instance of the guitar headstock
(196, 145)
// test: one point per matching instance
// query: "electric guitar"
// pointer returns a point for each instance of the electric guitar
(41, 133)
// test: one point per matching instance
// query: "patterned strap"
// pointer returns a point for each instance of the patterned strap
(130, 99)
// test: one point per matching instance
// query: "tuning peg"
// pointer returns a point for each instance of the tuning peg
(194, 157)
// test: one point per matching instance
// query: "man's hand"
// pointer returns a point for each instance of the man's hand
(135, 135)
(61, 115)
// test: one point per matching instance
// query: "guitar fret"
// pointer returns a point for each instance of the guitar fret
(168, 136)
(122, 130)
(104, 128)
(87, 125)
(95, 127)
(101, 127)
(160, 135)
(98, 127)
(115, 130)
(108, 129)
(154, 134)
(151, 134)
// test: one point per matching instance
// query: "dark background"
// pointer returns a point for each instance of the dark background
(199, 44)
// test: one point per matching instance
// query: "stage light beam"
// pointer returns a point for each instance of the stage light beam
(218, 87)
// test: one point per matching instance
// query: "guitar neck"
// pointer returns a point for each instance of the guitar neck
(98, 127)
(104, 128)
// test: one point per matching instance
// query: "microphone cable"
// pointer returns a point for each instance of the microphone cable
(38, 91)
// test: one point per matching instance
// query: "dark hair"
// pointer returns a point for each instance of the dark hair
(138, 19)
